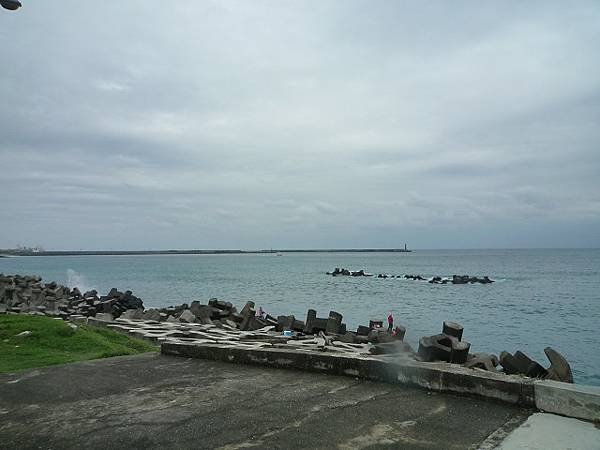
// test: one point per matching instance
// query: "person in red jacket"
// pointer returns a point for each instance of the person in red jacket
(390, 322)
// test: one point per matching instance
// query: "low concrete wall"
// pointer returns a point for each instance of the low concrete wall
(571, 400)
(440, 377)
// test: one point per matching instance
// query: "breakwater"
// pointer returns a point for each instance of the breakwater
(454, 279)
(28, 294)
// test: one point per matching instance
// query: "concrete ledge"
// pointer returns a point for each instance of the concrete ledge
(571, 400)
(440, 377)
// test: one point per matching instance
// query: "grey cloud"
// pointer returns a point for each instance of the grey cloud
(293, 124)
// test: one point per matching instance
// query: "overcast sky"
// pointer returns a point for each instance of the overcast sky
(275, 124)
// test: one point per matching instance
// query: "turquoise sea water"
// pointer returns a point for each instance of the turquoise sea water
(541, 298)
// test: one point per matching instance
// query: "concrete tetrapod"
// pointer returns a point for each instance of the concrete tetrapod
(559, 369)
(442, 347)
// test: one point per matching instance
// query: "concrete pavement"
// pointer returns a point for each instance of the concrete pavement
(550, 432)
(157, 401)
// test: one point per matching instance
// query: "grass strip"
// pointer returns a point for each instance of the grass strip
(54, 342)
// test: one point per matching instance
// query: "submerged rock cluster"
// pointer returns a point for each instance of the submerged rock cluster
(455, 279)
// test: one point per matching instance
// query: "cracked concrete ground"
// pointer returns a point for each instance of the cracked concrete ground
(157, 401)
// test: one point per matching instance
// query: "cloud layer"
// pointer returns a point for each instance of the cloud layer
(234, 124)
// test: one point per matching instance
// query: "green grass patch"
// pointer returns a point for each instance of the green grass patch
(55, 342)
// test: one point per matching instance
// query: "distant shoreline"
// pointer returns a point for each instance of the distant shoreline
(196, 252)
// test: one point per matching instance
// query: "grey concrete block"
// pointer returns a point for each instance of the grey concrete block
(106, 317)
(559, 369)
(187, 317)
(453, 329)
(334, 323)
(151, 314)
(572, 400)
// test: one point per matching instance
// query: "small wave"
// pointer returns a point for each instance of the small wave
(75, 279)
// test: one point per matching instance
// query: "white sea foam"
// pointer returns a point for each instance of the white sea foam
(75, 279)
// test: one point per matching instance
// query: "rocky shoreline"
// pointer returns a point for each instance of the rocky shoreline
(29, 295)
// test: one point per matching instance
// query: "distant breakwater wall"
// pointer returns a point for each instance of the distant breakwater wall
(28, 252)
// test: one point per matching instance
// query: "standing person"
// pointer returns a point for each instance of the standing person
(390, 322)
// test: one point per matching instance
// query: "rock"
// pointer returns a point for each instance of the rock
(399, 332)
(429, 350)
(379, 335)
(172, 319)
(413, 277)
(252, 322)
(285, 323)
(334, 323)
(230, 323)
(133, 314)
(460, 352)
(442, 347)
(534, 369)
(393, 347)
(151, 314)
(453, 329)
(313, 324)
(559, 369)
(375, 323)
(202, 312)
(238, 318)
(345, 272)
(520, 363)
(187, 317)
(247, 306)
(363, 330)
(220, 304)
(460, 280)
(360, 339)
(105, 317)
(347, 338)
(298, 325)
(483, 361)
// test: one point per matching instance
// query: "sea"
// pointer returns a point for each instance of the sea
(539, 298)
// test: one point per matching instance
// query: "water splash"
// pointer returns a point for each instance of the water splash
(75, 279)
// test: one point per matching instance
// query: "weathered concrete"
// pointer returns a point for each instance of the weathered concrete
(550, 432)
(155, 401)
(441, 377)
(572, 400)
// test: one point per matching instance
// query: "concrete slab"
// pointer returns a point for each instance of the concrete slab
(550, 432)
(572, 400)
(441, 377)
(156, 401)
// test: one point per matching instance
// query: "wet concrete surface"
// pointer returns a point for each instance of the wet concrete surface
(157, 401)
